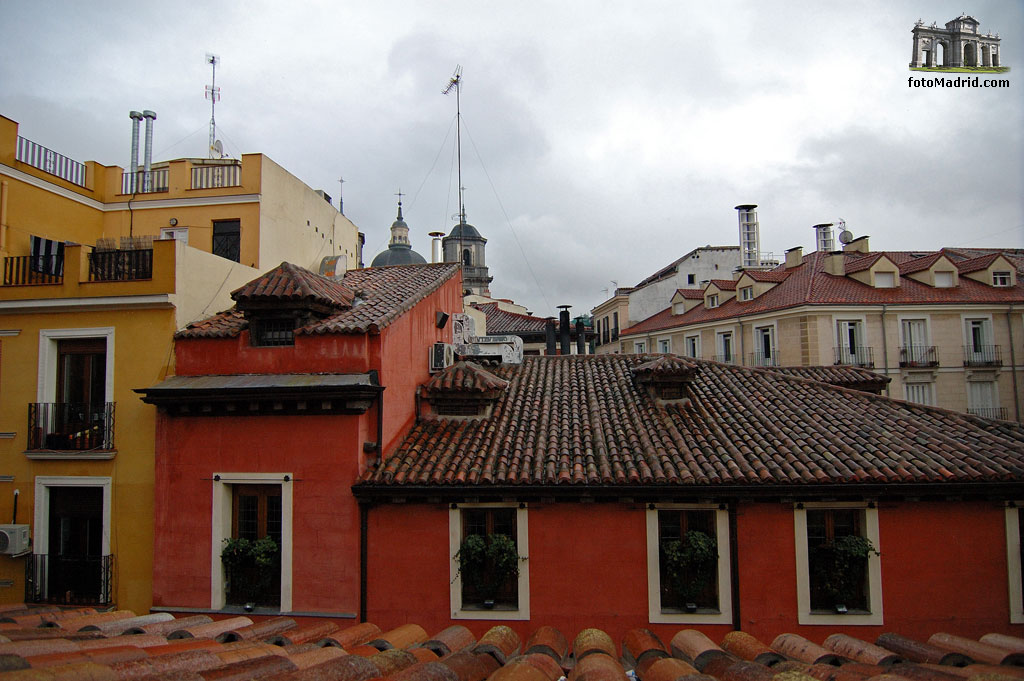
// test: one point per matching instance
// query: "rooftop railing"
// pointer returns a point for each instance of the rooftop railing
(24, 270)
(48, 160)
(121, 265)
(989, 412)
(142, 182)
(69, 580)
(210, 177)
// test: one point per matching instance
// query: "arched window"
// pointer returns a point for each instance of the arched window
(467, 258)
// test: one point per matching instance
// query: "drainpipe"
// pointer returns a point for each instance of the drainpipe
(150, 116)
(364, 524)
(136, 116)
(885, 353)
(3, 215)
(743, 345)
(1013, 365)
(734, 567)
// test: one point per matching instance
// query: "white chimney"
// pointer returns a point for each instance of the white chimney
(435, 246)
(136, 116)
(150, 116)
(823, 240)
(750, 236)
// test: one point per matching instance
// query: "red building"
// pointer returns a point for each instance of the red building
(277, 407)
(825, 508)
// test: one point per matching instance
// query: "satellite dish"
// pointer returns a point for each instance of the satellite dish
(218, 148)
(845, 236)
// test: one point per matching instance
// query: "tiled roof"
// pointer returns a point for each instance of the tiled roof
(767, 275)
(666, 365)
(859, 264)
(918, 264)
(584, 421)
(809, 284)
(463, 377)
(292, 283)
(381, 295)
(856, 378)
(504, 322)
(690, 293)
(724, 284)
(976, 264)
(196, 647)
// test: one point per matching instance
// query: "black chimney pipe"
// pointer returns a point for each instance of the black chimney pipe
(549, 335)
(563, 330)
(581, 338)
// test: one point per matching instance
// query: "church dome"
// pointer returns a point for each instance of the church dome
(399, 250)
(464, 230)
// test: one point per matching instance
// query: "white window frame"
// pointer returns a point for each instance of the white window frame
(916, 318)
(747, 293)
(667, 343)
(220, 529)
(803, 581)
(952, 278)
(861, 333)
(720, 347)
(712, 300)
(655, 615)
(773, 340)
(892, 284)
(696, 345)
(931, 390)
(455, 580)
(176, 233)
(994, 395)
(46, 383)
(987, 327)
(1013, 562)
(1002, 278)
(639, 346)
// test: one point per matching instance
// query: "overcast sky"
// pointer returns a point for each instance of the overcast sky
(601, 140)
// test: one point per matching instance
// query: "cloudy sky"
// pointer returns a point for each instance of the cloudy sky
(601, 140)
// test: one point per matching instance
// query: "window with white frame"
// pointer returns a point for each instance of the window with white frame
(885, 279)
(944, 279)
(713, 300)
(639, 347)
(850, 346)
(765, 353)
(688, 564)
(747, 293)
(665, 345)
(978, 347)
(723, 343)
(839, 576)
(1014, 560)
(692, 344)
(1001, 279)
(919, 391)
(489, 547)
(982, 399)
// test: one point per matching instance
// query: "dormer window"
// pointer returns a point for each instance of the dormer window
(1001, 279)
(747, 293)
(885, 279)
(943, 280)
(713, 300)
(272, 331)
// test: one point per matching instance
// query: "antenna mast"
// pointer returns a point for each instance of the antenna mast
(213, 94)
(456, 83)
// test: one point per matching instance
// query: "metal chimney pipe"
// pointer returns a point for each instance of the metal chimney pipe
(581, 338)
(563, 330)
(136, 116)
(150, 116)
(549, 336)
(435, 246)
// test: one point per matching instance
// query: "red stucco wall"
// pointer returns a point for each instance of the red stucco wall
(943, 569)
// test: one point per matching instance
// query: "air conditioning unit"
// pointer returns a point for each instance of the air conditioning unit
(13, 539)
(442, 355)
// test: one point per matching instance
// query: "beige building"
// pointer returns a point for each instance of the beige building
(100, 268)
(946, 326)
(610, 317)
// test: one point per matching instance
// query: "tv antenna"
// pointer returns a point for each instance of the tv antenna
(213, 94)
(455, 83)
(341, 198)
(845, 235)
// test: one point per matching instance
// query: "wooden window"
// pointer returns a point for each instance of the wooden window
(688, 582)
(486, 588)
(255, 515)
(836, 580)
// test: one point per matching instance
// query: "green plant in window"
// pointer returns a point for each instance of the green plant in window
(487, 564)
(690, 563)
(840, 566)
(250, 566)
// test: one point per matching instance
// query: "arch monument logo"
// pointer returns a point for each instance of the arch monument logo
(959, 47)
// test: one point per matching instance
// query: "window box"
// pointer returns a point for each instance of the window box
(483, 538)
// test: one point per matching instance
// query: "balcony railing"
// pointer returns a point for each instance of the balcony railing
(918, 356)
(121, 265)
(71, 426)
(856, 356)
(989, 412)
(982, 356)
(764, 359)
(69, 580)
(142, 182)
(22, 270)
(210, 177)
(47, 160)
(725, 359)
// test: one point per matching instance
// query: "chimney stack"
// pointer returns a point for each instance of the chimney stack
(435, 246)
(549, 336)
(794, 257)
(581, 338)
(150, 116)
(564, 329)
(136, 116)
(835, 263)
(750, 236)
(823, 240)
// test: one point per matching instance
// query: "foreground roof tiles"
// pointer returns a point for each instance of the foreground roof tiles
(289, 648)
(380, 295)
(587, 421)
(840, 375)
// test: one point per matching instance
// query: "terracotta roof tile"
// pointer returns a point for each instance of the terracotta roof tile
(843, 376)
(776, 275)
(918, 264)
(502, 321)
(584, 421)
(381, 294)
(724, 284)
(809, 284)
(293, 283)
(463, 377)
(976, 264)
(690, 293)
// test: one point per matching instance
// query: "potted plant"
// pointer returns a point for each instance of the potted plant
(251, 567)
(487, 565)
(690, 565)
(840, 567)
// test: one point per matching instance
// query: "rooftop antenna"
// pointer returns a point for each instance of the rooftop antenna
(213, 94)
(455, 83)
(341, 199)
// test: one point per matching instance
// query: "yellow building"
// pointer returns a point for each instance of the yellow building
(96, 279)
(946, 326)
